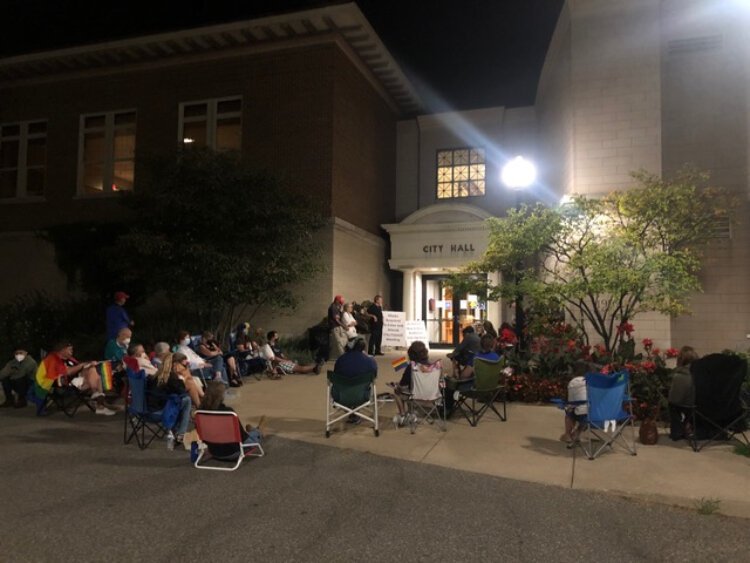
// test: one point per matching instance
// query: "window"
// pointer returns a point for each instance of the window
(460, 173)
(216, 124)
(23, 159)
(106, 153)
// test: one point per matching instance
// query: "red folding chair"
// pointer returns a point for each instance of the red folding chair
(220, 428)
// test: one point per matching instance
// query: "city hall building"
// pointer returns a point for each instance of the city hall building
(316, 97)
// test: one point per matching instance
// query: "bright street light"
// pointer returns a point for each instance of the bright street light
(518, 173)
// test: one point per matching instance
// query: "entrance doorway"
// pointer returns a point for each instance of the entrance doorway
(446, 313)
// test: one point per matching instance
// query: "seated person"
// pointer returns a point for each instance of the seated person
(574, 413)
(486, 352)
(210, 370)
(681, 395)
(271, 352)
(138, 353)
(174, 374)
(161, 349)
(209, 350)
(353, 362)
(117, 348)
(418, 354)
(172, 379)
(17, 376)
(82, 376)
(465, 351)
(488, 328)
(214, 401)
(247, 356)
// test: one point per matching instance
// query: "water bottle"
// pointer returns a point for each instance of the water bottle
(193, 452)
(170, 441)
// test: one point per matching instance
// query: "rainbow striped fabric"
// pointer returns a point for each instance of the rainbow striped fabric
(105, 372)
(50, 368)
(400, 363)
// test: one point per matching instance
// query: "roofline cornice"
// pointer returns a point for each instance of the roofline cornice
(283, 31)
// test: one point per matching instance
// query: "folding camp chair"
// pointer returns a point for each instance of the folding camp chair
(424, 401)
(488, 388)
(222, 428)
(720, 411)
(141, 423)
(606, 421)
(346, 396)
(67, 398)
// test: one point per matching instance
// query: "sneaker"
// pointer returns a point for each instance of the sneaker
(97, 395)
(399, 420)
(104, 411)
(353, 419)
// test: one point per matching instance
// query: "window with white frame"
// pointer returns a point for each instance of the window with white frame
(107, 153)
(23, 159)
(216, 124)
(460, 172)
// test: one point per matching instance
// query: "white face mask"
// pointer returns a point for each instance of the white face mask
(126, 342)
(185, 341)
(20, 357)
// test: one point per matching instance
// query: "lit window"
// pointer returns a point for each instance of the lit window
(216, 124)
(23, 159)
(106, 161)
(460, 173)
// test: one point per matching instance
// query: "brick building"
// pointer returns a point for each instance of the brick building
(313, 96)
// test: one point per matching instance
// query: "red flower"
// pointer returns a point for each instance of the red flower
(647, 343)
(571, 345)
(627, 328)
(606, 369)
(656, 351)
(648, 366)
(672, 352)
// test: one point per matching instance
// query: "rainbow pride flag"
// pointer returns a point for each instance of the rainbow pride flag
(400, 363)
(50, 368)
(105, 373)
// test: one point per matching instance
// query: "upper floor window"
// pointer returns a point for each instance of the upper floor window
(23, 159)
(216, 124)
(460, 172)
(106, 161)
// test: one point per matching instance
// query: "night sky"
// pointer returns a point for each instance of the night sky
(460, 54)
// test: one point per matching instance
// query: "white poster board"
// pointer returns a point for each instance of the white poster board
(416, 330)
(393, 328)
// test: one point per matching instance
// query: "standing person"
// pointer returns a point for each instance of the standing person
(349, 321)
(17, 375)
(336, 329)
(376, 326)
(117, 316)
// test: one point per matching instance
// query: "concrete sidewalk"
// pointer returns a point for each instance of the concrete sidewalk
(526, 447)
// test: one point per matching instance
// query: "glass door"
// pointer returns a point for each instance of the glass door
(445, 314)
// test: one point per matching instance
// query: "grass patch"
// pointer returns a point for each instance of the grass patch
(707, 506)
(742, 449)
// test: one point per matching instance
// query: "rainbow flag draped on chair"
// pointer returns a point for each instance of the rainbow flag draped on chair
(50, 368)
(105, 373)
(400, 363)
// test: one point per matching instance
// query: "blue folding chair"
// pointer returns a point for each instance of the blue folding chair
(141, 423)
(606, 420)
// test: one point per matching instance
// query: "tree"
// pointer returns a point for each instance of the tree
(210, 231)
(603, 261)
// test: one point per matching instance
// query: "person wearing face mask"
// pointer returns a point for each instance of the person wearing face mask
(117, 348)
(198, 365)
(16, 376)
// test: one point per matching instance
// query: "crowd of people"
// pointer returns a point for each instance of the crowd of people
(193, 368)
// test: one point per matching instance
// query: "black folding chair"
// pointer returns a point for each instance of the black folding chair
(141, 422)
(67, 398)
(488, 388)
(720, 411)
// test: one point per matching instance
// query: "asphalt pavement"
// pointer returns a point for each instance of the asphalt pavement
(73, 492)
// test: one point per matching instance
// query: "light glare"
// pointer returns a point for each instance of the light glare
(518, 173)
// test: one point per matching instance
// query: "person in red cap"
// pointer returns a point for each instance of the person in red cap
(338, 338)
(117, 316)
